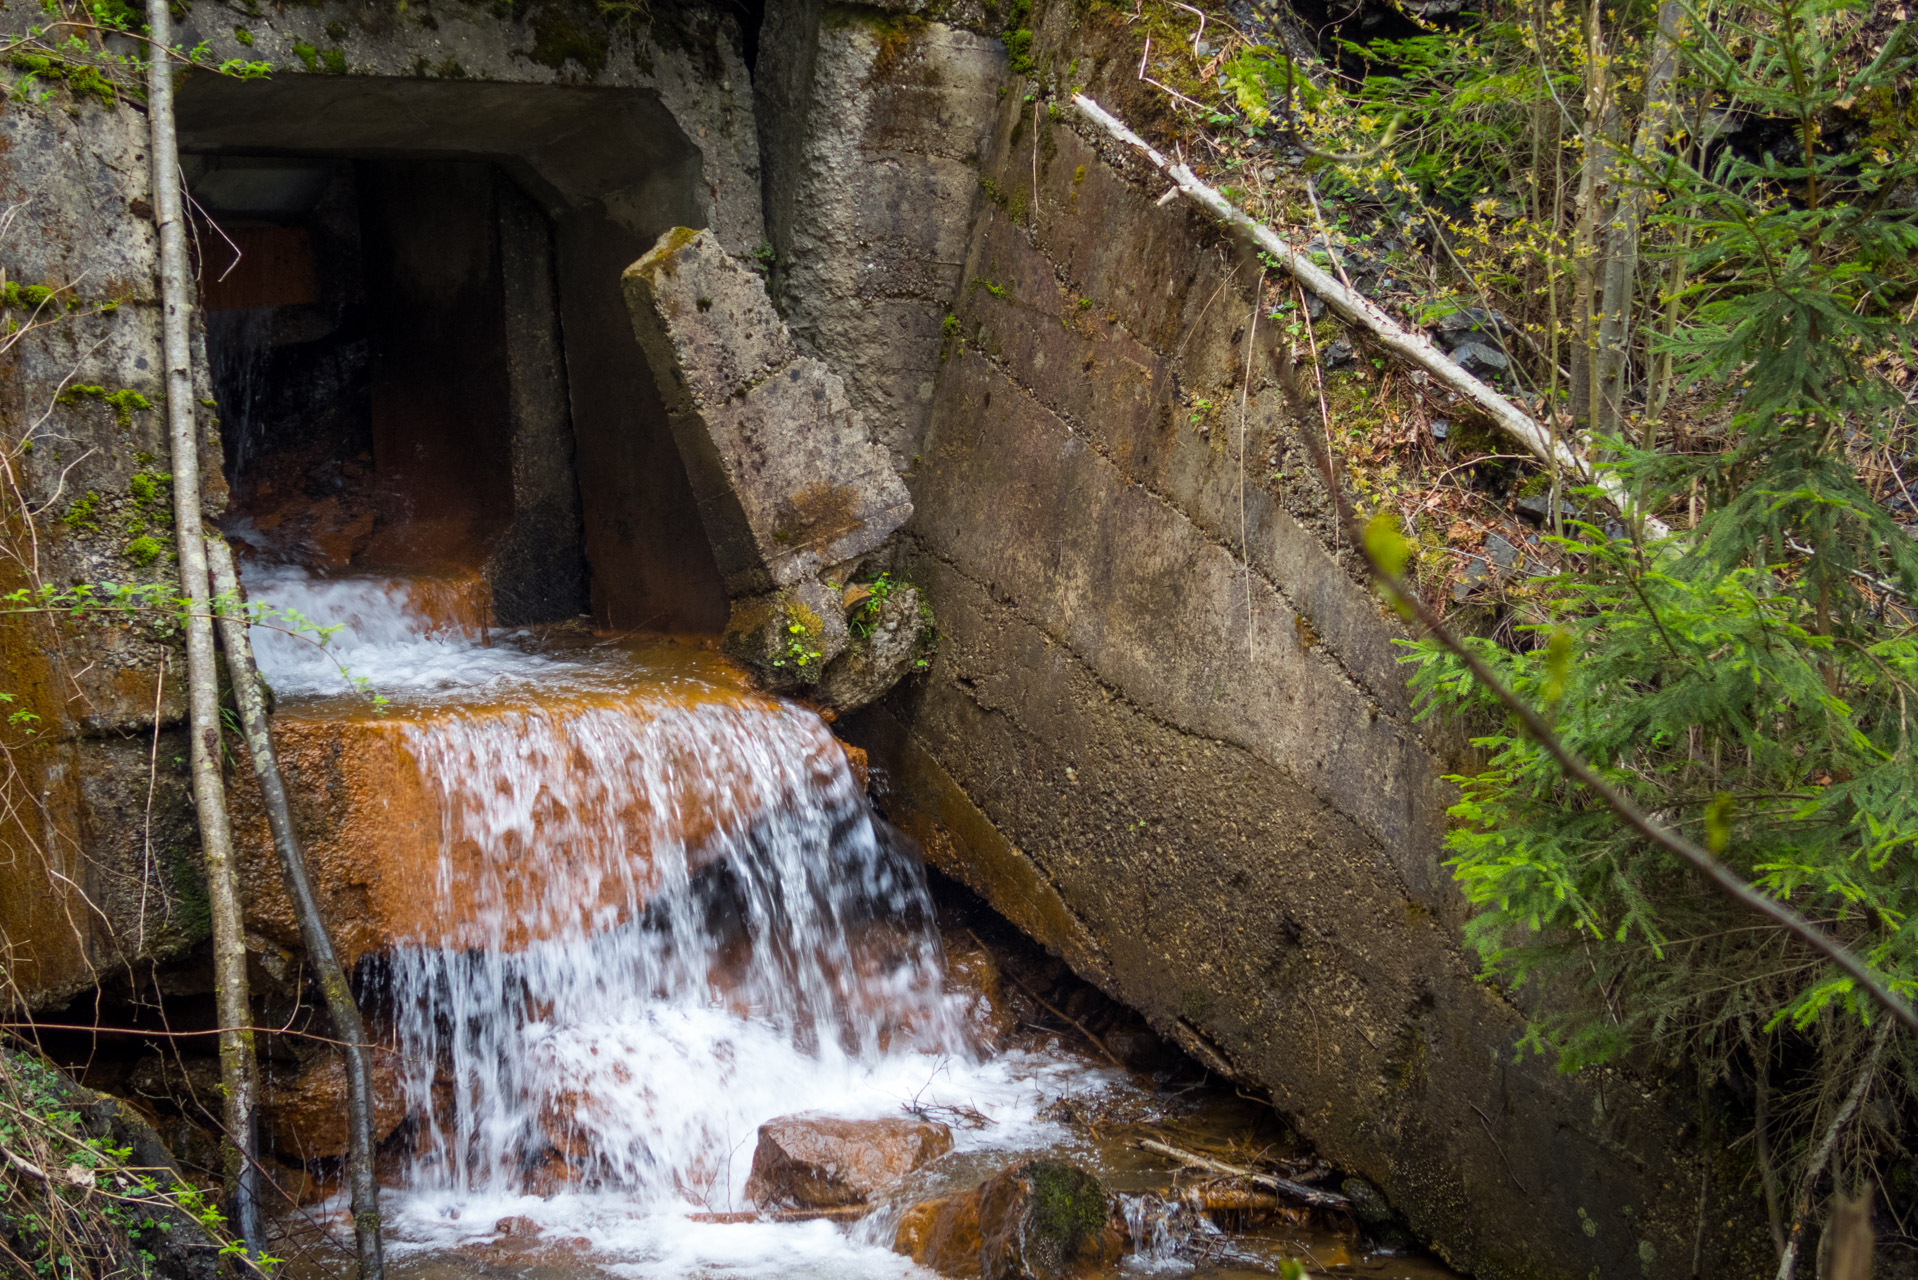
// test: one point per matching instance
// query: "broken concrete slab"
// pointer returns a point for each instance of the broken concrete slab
(787, 478)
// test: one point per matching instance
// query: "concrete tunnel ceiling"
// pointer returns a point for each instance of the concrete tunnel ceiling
(571, 147)
(612, 169)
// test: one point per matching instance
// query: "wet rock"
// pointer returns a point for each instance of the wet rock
(787, 637)
(516, 1226)
(856, 760)
(786, 478)
(943, 1234)
(972, 970)
(1337, 352)
(305, 1115)
(1368, 1203)
(819, 1162)
(1037, 1220)
(872, 663)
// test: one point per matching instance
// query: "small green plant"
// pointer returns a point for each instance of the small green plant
(866, 614)
(307, 54)
(101, 1211)
(123, 403)
(144, 550)
(150, 486)
(24, 297)
(799, 649)
(83, 515)
(244, 36)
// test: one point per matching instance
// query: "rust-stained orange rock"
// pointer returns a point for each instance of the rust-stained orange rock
(819, 1162)
(943, 1234)
(305, 1115)
(856, 761)
(1040, 1219)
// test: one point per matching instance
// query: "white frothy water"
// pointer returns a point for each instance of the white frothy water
(667, 917)
(385, 636)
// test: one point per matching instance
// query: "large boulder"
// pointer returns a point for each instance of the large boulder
(1039, 1219)
(819, 1162)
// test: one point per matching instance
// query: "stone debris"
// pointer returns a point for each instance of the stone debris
(820, 1162)
(875, 661)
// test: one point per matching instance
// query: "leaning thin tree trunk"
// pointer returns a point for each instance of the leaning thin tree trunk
(1821, 1156)
(1594, 199)
(340, 1005)
(1358, 309)
(238, 1066)
(1621, 254)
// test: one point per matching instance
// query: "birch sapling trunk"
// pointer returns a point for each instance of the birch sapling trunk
(1620, 273)
(239, 1069)
(348, 1027)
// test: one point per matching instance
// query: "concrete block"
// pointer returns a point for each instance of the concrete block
(787, 479)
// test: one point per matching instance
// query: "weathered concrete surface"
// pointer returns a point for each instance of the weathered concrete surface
(787, 480)
(687, 63)
(873, 126)
(1165, 732)
(98, 870)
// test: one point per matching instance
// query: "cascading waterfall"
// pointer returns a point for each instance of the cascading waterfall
(664, 915)
(692, 948)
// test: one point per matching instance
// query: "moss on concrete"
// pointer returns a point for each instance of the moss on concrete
(558, 38)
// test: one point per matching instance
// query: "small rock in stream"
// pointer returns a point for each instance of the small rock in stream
(1040, 1219)
(819, 1162)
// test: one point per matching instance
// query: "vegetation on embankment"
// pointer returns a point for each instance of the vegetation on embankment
(1682, 237)
(86, 1189)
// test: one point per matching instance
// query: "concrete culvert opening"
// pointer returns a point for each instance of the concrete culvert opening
(423, 361)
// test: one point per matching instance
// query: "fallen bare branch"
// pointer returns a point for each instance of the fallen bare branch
(1358, 309)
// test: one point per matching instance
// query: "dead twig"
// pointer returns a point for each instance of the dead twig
(1358, 309)
(1285, 1186)
(837, 1213)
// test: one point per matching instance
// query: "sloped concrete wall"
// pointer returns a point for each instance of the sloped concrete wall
(1166, 733)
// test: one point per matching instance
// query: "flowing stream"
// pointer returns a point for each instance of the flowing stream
(663, 914)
